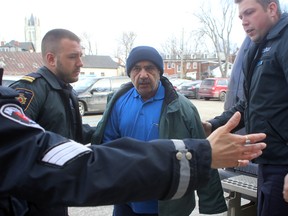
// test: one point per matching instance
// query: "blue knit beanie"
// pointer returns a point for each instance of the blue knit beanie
(144, 53)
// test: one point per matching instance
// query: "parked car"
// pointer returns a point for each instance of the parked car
(93, 92)
(214, 88)
(9, 79)
(190, 89)
(177, 82)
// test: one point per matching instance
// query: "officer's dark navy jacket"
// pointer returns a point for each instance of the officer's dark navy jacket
(52, 104)
(46, 168)
(266, 91)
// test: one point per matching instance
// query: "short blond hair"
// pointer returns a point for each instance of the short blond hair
(51, 40)
(265, 4)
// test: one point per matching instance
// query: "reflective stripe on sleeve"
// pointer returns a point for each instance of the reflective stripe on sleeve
(184, 169)
(61, 154)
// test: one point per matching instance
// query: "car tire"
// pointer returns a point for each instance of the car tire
(206, 98)
(81, 108)
(222, 96)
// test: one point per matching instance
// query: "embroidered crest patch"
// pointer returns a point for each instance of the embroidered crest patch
(25, 97)
(16, 114)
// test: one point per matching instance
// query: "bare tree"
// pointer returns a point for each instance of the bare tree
(126, 43)
(87, 43)
(171, 47)
(217, 27)
(183, 49)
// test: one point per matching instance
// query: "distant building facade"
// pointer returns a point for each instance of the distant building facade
(16, 46)
(32, 32)
(21, 58)
(101, 66)
(21, 63)
(194, 66)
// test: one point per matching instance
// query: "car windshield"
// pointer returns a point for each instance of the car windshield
(177, 82)
(190, 83)
(83, 83)
(7, 80)
(208, 82)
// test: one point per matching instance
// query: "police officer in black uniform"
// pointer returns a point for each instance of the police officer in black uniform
(48, 169)
(48, 98)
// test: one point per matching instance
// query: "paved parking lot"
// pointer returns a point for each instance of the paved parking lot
(91, 211)
(207, 110)
(107, 211)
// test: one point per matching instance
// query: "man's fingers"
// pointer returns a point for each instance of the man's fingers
(241, 163)
(207, 128)
(252, 151)
(236, 155)
(228, 148)
(233, 122)
(253, 138)
(254, 147)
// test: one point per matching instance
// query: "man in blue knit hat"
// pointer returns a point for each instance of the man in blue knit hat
(150, 108)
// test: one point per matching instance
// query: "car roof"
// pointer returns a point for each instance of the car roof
(11, 77)
(215, 78)
(7, 80)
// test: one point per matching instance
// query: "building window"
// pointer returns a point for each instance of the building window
(91, 73)
(178, 68)
(193, 56)
(169, 65)
(188, 65)
(194, 65)
(173, 65)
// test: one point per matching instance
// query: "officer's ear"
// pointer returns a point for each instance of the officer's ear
(50, 59)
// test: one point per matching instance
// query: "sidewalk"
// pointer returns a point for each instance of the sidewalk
(107, 211)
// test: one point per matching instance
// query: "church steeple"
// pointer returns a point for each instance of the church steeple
(33, 32)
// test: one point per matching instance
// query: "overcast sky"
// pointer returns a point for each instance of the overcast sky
(153, 21)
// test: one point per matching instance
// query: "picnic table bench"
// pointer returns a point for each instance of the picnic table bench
(240, 183)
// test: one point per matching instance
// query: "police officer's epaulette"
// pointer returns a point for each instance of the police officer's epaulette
(31, 77)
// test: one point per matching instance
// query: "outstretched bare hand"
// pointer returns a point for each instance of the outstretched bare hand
(230, 150)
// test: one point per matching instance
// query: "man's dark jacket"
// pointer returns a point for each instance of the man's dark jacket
(265, 109)
(47, 102)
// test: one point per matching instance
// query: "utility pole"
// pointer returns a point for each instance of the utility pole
(182, 55)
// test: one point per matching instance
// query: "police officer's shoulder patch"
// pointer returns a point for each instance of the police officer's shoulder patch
(31, 77)
(25, 97)
(16, 114)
